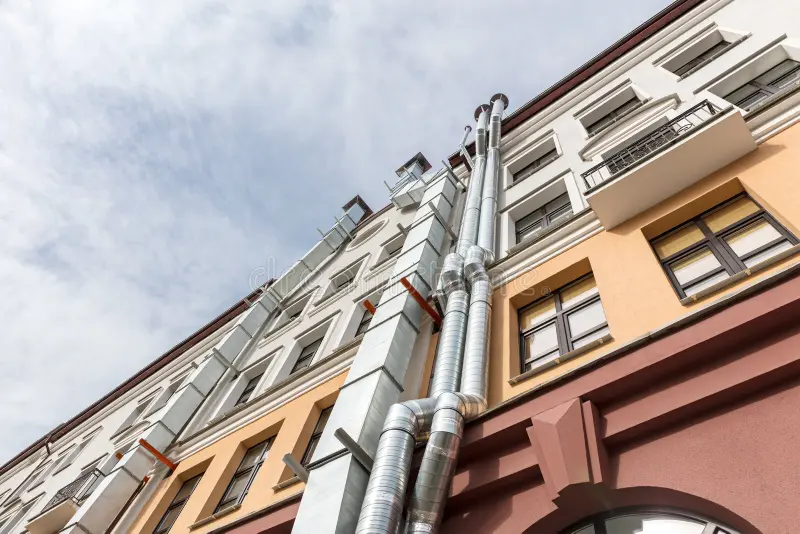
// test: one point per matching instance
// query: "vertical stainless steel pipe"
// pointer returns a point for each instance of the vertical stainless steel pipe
(487, 227)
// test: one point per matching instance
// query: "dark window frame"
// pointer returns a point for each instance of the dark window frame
(313, 441)
(545, 215)
(241, 472)
(304, 360)
(767, 91)
(536, 165)
(246, 393)
(566, 341)
(711, 53)
(716, 243)
(363, 325)
(177, 504)
(613, 116)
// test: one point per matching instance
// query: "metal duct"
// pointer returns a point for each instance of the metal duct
(382, 509)
(468, 233)
(463, 340)
(486, 232)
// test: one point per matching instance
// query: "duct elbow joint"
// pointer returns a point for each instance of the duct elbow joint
(452, 276)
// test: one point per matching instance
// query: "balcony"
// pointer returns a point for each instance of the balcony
(699, 141)
(60, 509)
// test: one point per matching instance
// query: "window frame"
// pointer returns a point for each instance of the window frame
(363, 325)
(316, 435)
(244, 396)
(301, 359)
(768, 90)
(704, 57)
(536, 165)
(543, 214)
(564, 337)
(716, 242)
(177, 504)
(240, 472)
(598, 521)
(616, 114)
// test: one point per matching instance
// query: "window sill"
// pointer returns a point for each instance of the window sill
(722, 284)
(286, 483)
(210, 519)
(556, 360)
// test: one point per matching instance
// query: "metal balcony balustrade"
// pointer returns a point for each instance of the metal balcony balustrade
(78, 489)
(650, 145)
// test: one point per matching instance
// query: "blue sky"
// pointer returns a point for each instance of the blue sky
(154, 154)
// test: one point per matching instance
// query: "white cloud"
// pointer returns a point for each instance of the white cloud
(153, 153)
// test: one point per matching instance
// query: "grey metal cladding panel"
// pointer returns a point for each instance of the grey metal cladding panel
(332, 498)
(391, 350)
(360, 410)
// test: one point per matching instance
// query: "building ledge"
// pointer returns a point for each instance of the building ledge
(286, 483)
(213, 517)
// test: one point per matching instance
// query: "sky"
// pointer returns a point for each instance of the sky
(153, 155)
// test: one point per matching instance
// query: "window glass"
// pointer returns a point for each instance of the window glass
(695, 265)
(691, 289)
(767, 254)
(703, 56)
(678, 240)
(577, 292)
(363, 326)
(591, 337)
(538, 313)
(316, 435)
(653, 524)
(235, 490)
(730, 213)
(751, 237)
(542, 342)
(586, 318)
(781, 74)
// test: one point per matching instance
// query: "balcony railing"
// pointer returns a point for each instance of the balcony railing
(650, 145)
(78, 489)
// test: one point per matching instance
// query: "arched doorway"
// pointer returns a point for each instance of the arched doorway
(648, 521)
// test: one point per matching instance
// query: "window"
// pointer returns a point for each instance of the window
(135, 415)
(614, 115)
(570, 318)
(719, 243)
(536, 164)
(781, 78)
(164, 397)
(363, 326)
(343, 280)
(647, 523)
(306, 355)
(177, 504)
(324, 415)
(248, 390)
(552, 212)
(711, 53)
(394, 247)
(244, 475)
(28, 482)
(16, 519)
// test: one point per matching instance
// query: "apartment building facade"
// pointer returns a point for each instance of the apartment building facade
(635, 369)
(644, 333)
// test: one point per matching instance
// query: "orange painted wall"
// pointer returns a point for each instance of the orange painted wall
(291, 425)
(636, 294)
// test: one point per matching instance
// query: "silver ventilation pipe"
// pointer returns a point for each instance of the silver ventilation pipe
(486, 232)
(468, 233)
(462, 148)
(445, 411)
(407, 422)
(439, 461)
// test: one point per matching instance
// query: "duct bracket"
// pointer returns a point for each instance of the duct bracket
(441, 220)
(453, 176)
(437, 319)
(361, 456)
(296, 467)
